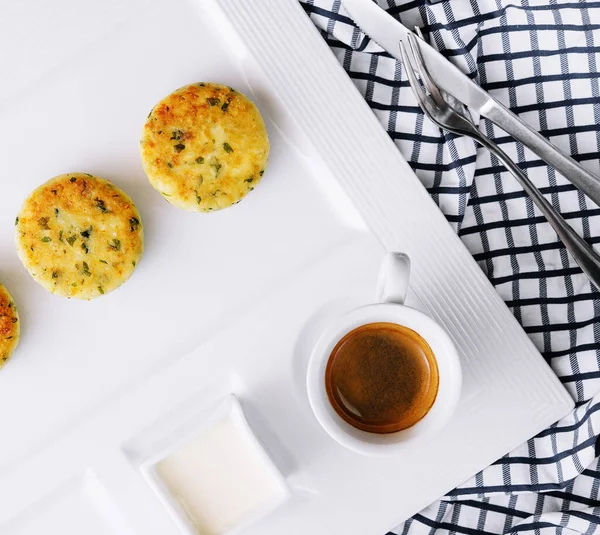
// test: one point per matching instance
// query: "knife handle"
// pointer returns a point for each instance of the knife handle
(583, 253)
(574, 172)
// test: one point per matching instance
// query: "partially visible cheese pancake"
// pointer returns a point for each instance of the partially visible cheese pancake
(79, 236)
(204, 147)
(10, 326)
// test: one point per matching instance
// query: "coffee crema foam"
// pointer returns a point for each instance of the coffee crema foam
(382, 378)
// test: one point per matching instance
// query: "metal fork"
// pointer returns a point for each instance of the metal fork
(450, 114)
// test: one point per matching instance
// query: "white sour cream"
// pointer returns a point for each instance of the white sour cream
(221, 478)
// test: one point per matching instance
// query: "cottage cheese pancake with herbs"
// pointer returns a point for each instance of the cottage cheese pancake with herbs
(204, 147)
(10, 326)
(79, 236)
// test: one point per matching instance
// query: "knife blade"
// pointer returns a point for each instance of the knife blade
(387, 32)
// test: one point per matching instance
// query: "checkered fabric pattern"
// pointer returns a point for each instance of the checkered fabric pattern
(541, 58)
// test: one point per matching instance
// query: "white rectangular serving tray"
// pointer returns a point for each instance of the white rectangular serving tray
(228, 302)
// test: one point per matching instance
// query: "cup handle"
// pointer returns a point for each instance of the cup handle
(394, 273)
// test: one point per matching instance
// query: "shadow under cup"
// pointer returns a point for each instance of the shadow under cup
(416, 406)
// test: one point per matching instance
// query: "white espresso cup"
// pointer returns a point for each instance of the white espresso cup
(392, 288)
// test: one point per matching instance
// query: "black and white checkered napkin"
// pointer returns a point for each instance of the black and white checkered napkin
(542, 59)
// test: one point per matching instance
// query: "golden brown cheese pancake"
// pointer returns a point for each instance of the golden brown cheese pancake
(204, 147)
(10, 326)
(79, 236)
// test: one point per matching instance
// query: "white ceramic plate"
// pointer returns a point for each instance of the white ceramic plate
(231, 301)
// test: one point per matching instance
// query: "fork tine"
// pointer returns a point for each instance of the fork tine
(419, 33)
(415, 85)
(453, 102)
(421, 69)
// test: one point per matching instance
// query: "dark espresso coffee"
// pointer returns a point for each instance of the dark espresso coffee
(382, 378)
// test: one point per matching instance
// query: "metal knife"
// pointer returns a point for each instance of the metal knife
(387, 32)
